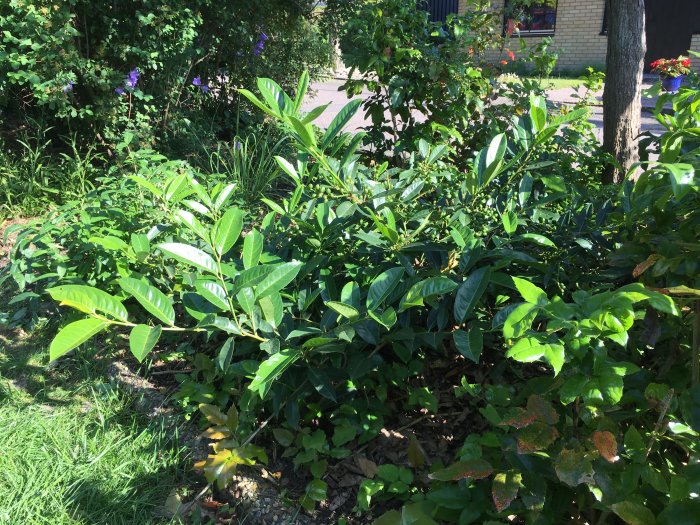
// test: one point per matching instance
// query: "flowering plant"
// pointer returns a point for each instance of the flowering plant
(671, 67)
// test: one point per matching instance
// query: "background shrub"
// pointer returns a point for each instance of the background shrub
(60, 63)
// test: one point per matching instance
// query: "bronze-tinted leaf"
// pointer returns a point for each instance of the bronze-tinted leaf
(537, 436)
(505, 489)
(542, 409)
(367, 466)
(472, 469)
(645, 265)
(606, 444)
(520, 418)
(573, 468)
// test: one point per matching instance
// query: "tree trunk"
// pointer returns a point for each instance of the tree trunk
(622, 98)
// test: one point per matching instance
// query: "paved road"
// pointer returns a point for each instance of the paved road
(328, 93)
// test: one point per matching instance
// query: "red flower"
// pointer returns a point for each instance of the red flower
(512, 55)
(504, 62)
(686, 62)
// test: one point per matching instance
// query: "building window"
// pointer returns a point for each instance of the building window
(531, 18)
(439, 10)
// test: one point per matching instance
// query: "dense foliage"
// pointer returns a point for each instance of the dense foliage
(476, 323)
(153, 67)
(78, 78)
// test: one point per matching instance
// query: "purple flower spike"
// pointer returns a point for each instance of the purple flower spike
(260, 45)
(133, 78)
(69, 86)
(197, 81)
(119, 90)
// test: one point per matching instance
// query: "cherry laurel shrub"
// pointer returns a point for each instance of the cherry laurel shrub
(577, 379)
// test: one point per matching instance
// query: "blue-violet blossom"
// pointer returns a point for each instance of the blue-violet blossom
(260, 45)
(132, 79)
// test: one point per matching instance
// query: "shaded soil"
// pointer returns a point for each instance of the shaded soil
(6, 244)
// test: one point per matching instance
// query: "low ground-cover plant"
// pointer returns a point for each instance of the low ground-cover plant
(34, 174)
(356, 285)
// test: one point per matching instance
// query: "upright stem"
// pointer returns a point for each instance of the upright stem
(695, 370)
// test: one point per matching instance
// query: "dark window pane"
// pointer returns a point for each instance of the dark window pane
(539, 17)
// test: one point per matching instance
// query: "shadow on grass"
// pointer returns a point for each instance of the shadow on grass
(75, 449)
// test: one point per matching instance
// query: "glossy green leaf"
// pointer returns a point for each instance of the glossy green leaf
(289, 169)
(387, 318)
(340, 121)
(272, 368)
(525, 189)
(519, 320)
(189, 255)
(509, 219)
(305, 132)
(252, 248)
(555, 355)
(278, 279)
(302, 88)
(89, 300)
(225, 355)
(220, 323)
(246, 298)
(140, 244)
(350, 312)
(426, 289)
(213, 292)
(258, 103)
(350, 294)
(531, 293)
(275, 96)
(227, 230)
(272, 308)
(188, 219)
(109, 242)
(253, 276)
(538, 112)
(470, 293)
(470, 344)
(382, 286)
(152, 299)
(75, 334)
(490, 159)
(143, 339)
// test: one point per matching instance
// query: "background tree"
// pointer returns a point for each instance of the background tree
(622, 102)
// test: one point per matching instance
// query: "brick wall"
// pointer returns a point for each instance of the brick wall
(577, 36)
(695, 46)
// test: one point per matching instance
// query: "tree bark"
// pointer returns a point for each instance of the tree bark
(622, 98)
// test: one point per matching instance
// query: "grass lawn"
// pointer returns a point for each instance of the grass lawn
(73, 449)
